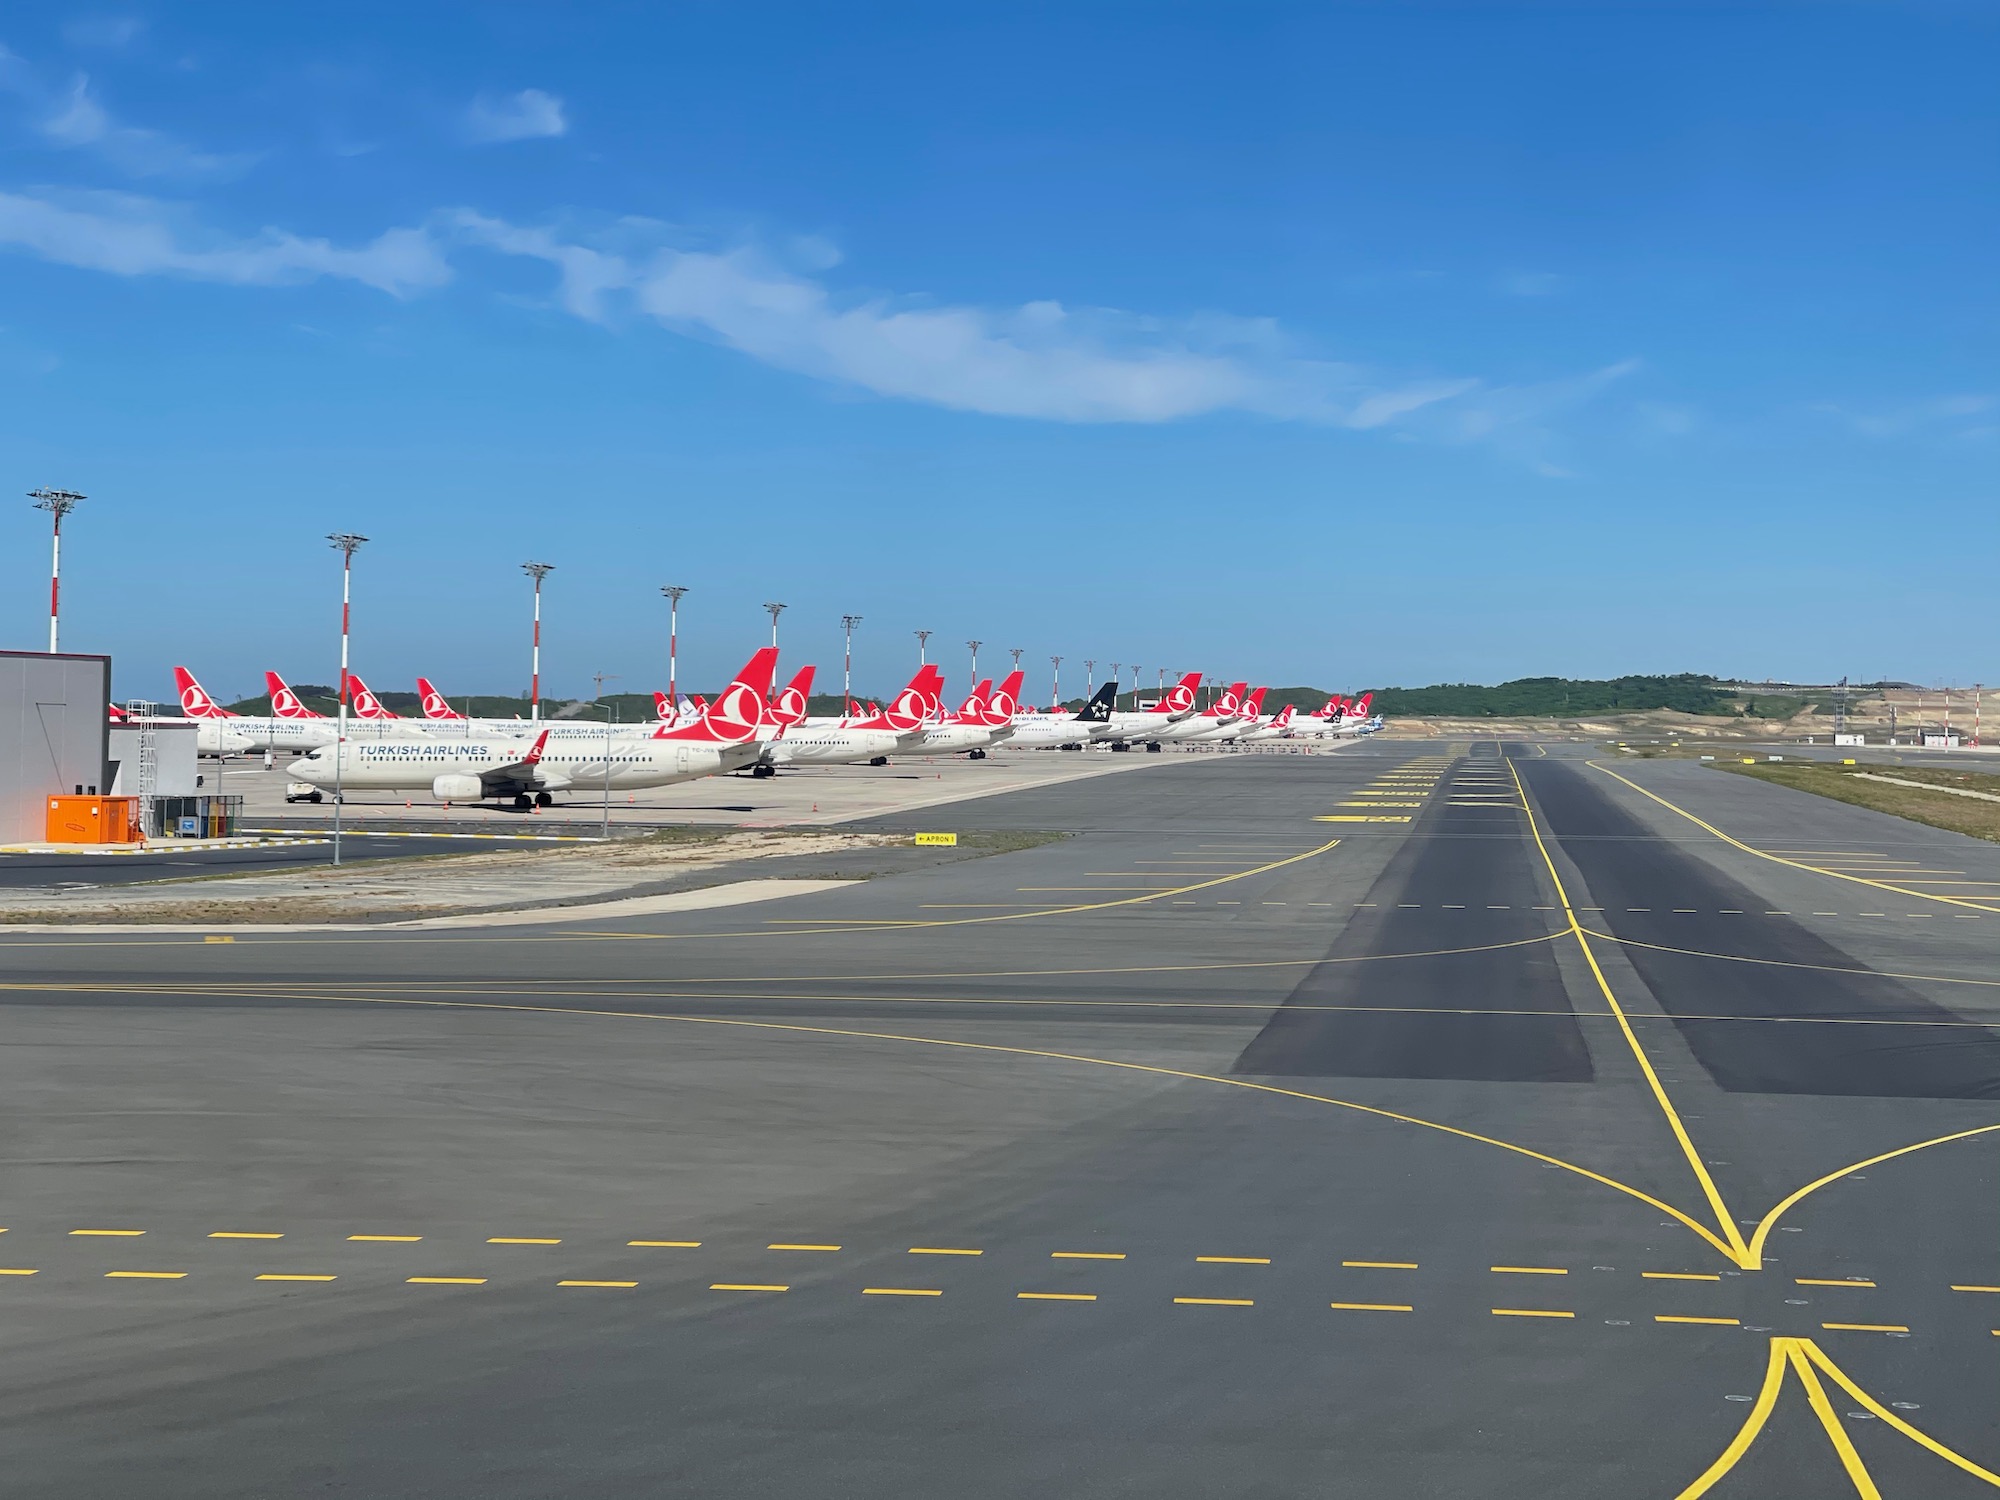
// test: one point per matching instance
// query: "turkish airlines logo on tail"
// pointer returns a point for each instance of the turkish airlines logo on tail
(908, 711)
(1181, 697)
(435, 707)
(790, 707)
(195, 702)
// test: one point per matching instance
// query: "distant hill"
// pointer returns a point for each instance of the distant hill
(1559, 697)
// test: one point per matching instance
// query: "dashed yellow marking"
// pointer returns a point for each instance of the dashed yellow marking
(118, 1234)
(941, 1250)
(283, 1276)
(1718, 1322)
(1866, 1327)
(1057, 1296)
(745, 1286)
(245, 1234)
(1529, 1270)
(1823, 1281)
(1382, 1265)
(598, 1283)
(387, 1239)
(19, 1271)
(1681, 1275)
(1530, 1312)
(1976, 1289)
(1232, 1260)
(506, 1239)
(666, 1244)
(902, 1291)
(447, 1281)
(144, 1275)
(1371, 1307)
(1086, 1255)
(1215, 1301)
(802, 1247)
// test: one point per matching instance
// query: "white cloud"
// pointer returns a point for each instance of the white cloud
(127, 235)
(73, 118)
(1964, 415)
(526, 116)
(1040, 359)
(113, 33)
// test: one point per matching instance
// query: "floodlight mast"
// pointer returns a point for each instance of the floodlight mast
(1116, 668)
(847, 623)
(537, 571)
(1015, 652)
(673, 591)
(776, 610)
(1056, 700)
(58, 503)
(347, 543)
(923, 639)
(975, 645)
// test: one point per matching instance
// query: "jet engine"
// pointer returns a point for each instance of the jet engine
(457, 788)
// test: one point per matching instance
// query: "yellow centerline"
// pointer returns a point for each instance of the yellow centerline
(1732, 1243)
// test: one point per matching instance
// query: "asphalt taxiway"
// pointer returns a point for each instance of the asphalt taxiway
(1429, 1120)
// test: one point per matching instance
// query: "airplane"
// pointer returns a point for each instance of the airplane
(1228, 730)
(219, 732)
(1064, 729)
(985, 718)
(872, 738)
(482, 768)
(1224, 711)
(1277, 727)
(435, 706)
(366, 704)
(1141, 726)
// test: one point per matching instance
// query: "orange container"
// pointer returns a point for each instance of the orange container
(93, 820)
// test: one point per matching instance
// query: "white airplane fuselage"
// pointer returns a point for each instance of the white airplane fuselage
(808, 744)
(446, 766)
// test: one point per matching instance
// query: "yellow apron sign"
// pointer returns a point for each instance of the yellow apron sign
(947, 840)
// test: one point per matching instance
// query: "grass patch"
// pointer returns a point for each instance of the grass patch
(1939, 809)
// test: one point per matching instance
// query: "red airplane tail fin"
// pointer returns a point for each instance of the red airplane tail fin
(1254, 704)
(435, 706)
(662, 710)
(284, 702)
(366, 704)
(1179, 698)
(1005, 700)
(790, 708)
(1362, 704)
(195, 702)
(735, 716)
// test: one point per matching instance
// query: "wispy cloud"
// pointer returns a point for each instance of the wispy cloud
(73, 118)
(124, 234)
(112, 33)
(1040, 359)
(1967, 415)
(528, 115)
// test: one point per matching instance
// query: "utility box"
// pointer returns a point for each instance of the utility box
(92, 820)
(53, 731)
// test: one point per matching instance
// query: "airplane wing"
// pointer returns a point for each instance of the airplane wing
(517, 776)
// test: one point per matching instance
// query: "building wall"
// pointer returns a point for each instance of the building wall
(174, 747)
(53, 734)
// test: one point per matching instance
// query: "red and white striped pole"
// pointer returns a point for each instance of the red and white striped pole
(347, 542)
(673, 591)
(58, 503)
(537, 571)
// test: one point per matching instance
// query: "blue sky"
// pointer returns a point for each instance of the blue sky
(1348, 345)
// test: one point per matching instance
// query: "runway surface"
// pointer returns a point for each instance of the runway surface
(1433, 1120)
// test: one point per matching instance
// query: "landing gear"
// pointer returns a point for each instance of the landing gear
(878, 760)
(763, 772)
(544, 799)
(975, 755)
(523, 801)
(1120, 745)
(1153, 747)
